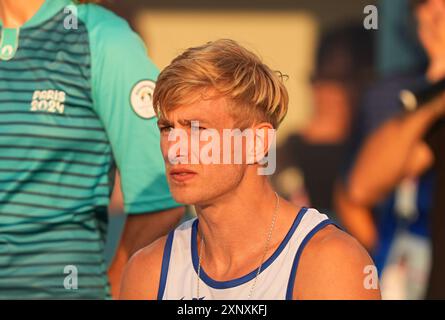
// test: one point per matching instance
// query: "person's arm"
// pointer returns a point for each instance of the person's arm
(334, 266)
(141, 277)
(357, 219)
(139, 231)
(393, 152)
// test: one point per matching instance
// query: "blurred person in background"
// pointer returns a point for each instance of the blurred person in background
(75, 98)
(396, 155)
(309, 163)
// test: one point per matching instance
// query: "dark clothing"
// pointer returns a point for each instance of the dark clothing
(436, 140)
(381, 103)
(320, 165)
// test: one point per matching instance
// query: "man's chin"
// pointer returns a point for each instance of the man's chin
(183, 197)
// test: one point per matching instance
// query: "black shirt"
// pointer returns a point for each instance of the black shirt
(436, 140)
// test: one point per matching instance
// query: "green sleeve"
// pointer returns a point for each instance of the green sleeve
(123, 79)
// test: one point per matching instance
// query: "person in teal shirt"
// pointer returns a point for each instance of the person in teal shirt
(75, 102)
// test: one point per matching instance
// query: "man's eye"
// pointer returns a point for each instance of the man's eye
(165, 129)
(199, 128)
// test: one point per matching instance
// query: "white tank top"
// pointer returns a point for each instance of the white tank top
(275, 282)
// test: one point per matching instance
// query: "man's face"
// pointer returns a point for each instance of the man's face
(332, 110)
(191, 181)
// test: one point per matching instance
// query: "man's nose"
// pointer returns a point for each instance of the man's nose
(178, 146)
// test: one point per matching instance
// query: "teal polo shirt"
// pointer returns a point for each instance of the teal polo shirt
(75, 98)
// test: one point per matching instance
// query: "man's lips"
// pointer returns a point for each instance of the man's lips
(181, 175)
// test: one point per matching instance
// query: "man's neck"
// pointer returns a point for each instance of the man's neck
(14, 13)
(237, 225)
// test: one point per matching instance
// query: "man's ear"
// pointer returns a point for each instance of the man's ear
(262, 141)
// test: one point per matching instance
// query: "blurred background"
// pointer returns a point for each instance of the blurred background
(343, 82)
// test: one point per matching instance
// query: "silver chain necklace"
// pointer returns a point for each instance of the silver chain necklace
(266, 249)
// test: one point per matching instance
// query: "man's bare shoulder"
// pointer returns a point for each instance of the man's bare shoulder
(143, 271)
(334, 266)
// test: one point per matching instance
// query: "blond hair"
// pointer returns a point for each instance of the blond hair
(257, 93)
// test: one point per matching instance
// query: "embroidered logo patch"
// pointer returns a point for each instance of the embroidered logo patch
(141, 99)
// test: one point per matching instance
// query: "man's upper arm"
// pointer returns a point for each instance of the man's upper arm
(123, 79)
(141, 276)
(335, 266)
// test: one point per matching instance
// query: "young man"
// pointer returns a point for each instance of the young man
(75, 96)
(247, 242)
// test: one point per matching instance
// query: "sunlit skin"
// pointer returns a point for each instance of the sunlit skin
(235, 206)
(14, 13)
(430, 17)
(195, 189)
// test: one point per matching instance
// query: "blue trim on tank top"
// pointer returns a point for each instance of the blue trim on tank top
(244, 279)
(165, 264)
(291, 282)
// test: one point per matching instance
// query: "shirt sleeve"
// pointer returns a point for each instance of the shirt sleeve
(123, 79)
